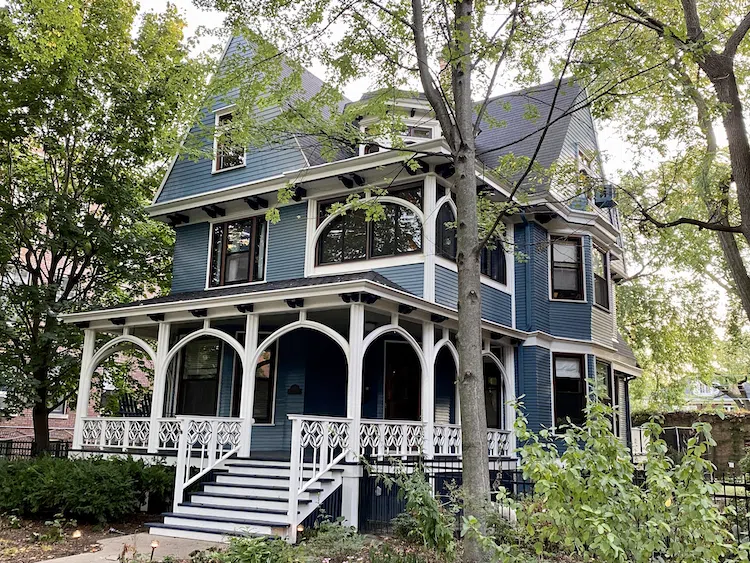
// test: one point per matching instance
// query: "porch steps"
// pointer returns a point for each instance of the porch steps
(245, 497)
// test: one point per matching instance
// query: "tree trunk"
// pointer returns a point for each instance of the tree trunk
(40, 415)
(476, 476)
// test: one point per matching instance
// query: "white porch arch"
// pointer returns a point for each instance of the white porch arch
(114, 346)
(216, 333)
(508, 386)
(291, 327)
(451, 347)
(380, 331)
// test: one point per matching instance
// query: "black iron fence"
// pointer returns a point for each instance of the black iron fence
(379, 504)
(26, 449)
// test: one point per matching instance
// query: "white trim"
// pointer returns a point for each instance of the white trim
(368, 264)
(607, 277)
(582, 246)
(385, 329)
(509, 388)
(275, 382)
(220, 374)
(112, 346)
(584, 376)
(221, 335)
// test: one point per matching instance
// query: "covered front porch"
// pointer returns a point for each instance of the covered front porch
(236, 370)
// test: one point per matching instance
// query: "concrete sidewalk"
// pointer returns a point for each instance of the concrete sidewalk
(112, 548)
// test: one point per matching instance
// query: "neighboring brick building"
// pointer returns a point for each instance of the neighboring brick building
(21, 427)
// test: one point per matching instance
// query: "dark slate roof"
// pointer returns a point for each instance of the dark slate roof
(390, 93)
(251, 289)
(624, 349)
(519, 134)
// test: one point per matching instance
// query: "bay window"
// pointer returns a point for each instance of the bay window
(238, 251)
(567, 268)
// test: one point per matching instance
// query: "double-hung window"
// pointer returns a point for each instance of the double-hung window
(493, 263)
(567, 268)
(569, 388)
(238, 251)
(229, 154)
(600, 265)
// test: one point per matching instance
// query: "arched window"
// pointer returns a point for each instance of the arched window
(351, 237)
(445, 243)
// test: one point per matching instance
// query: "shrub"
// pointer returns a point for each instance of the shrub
(91, 489)
(332, 540)
(384, 553)
(254, 550)
(588, 503)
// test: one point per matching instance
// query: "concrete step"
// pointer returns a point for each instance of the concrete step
(243, 500)
(188, 532)
(263, 527)
(234, 512)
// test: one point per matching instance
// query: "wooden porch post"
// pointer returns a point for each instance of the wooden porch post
(428, 239)
(247, 396)
(84, 386)
(160, 383)
(428, 388)
(354, 375)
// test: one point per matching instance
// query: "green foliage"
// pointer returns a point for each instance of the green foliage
(587, 502)
(332, 540)
(670, 324)
(434, 523)
(254, 550)
(91, 489)
(93, 101)
(387, 554)
(56, 531)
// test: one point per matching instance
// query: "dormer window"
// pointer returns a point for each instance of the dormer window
(228, 154)
(418, 132)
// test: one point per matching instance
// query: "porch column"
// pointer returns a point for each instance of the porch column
(354, 375)
(428, 239)
(160, 383)
(84, 386)
(247, 396)
(428, 388)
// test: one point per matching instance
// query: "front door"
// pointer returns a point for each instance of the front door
(199, 378)
(402, 380)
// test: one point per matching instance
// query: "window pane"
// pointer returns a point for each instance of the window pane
(265, 372)
(228, 154)
(412, 195)
(568, 368)
(259, 267)
(601, 291)
(201, 359)
(566, 279)
(409, 232)
(237, 267)
(330, 242)
(355, 236)
(604, 381)
(565, 251)
(384, 232)
(597, 259)
(445, 245)
(216, 248)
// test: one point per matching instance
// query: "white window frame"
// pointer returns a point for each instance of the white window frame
(585, 376)
(550, 260)
(217, 134)
(605, 258)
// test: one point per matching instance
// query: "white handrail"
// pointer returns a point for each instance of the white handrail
(213, 439)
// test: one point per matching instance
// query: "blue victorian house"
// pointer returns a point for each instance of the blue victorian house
(286, 351)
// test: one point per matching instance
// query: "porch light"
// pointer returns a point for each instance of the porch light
(76, 534)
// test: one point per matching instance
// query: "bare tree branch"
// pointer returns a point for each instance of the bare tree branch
(733, 43)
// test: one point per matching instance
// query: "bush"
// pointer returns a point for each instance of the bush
(91, 489)
(332, 540)
(256, 550)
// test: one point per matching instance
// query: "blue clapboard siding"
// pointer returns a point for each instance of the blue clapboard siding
(409, 276)
(496, 304)
(534, 383)
(226, 380)
(286, 244)
(190, 262)
(192, 176)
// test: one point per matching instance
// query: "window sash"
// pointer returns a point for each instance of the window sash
(398, 234)
(493, 263)
(570, 393)
(241, 265)
(567, 269)
(227, 155)
(601, 278)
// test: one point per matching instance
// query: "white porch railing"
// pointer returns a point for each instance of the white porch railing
(204, 443)
(391, 438)
(129, 433)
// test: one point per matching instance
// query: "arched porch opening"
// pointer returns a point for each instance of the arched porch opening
(392, 376)
(495, 393)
